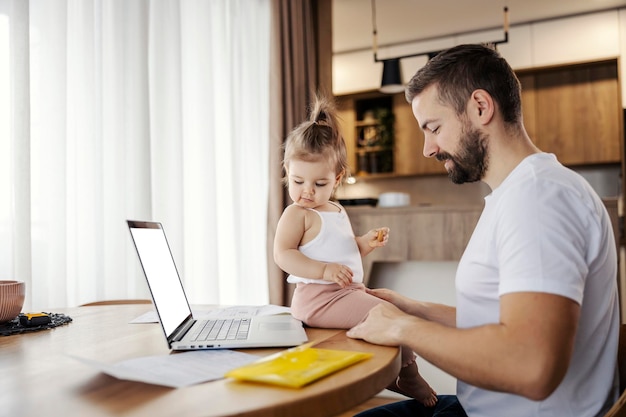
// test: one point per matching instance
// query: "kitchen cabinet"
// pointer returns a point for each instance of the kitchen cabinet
(586, 37)
(410, 159)
(575, 112)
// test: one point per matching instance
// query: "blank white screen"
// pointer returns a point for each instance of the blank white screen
(162, 277)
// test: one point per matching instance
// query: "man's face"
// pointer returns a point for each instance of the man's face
(450, 139)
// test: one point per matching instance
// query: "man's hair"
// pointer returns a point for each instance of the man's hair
(461, 70)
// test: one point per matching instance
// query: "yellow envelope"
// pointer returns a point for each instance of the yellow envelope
(298, 366)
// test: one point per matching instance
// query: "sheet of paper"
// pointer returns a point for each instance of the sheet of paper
(228, 311)
(175, 370)
(242, 311)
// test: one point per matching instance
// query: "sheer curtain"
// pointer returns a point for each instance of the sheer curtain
(298, 73)
(134, 109)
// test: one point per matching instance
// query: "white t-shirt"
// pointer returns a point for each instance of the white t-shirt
(335, 243)
(544, 229)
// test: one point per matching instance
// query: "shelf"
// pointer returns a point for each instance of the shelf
(373, 144)
(367, 123)
(371, 149)
(376, 176)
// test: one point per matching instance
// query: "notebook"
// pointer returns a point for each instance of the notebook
(181, 330)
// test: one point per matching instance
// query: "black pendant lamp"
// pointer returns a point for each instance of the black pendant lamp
(392, 77)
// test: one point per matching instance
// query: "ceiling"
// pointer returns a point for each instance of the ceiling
(401, 21)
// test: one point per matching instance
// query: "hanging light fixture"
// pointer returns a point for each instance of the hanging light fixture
(392, 74)
(392, 77)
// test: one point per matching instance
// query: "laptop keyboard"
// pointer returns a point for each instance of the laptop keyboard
(223, 329)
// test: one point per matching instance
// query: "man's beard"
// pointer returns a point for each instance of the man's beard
(470, 163)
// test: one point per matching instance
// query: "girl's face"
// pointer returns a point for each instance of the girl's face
(311, 183)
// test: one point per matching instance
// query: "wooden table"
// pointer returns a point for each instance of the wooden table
(39, 379)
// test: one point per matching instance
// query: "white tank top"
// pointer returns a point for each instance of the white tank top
(335, 243)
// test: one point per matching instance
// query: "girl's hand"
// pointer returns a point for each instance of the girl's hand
(377, 237)
(339, 274)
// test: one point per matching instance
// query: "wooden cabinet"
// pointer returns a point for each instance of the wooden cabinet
(410, 159)
(574, 112)
(431, 233)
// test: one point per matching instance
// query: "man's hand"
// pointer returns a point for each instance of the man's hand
(339, 274)
(382, 326)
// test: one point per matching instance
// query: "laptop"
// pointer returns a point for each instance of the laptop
(181, 330)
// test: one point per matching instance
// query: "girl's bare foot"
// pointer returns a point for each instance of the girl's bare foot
(416, 387)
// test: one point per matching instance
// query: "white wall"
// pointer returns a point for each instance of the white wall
(589, 37)
(426, 281)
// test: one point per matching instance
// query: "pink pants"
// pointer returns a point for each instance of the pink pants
(330, 306)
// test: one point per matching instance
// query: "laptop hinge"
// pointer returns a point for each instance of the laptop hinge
(182, 330)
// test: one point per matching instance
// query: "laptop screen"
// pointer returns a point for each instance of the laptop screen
(160, 270)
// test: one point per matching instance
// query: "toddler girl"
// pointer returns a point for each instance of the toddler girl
(315, 243)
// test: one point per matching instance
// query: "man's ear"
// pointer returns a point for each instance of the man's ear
(481, 106)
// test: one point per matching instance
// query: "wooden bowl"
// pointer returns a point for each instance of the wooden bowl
(12, 295)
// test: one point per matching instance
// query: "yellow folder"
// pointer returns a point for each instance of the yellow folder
(297, 367)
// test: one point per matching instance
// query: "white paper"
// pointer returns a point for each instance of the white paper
(231, 311)
(175, 370)
(242, 311)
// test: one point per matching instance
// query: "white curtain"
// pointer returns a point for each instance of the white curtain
(142, 109)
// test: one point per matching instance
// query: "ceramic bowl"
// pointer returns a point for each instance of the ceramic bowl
(12, 295)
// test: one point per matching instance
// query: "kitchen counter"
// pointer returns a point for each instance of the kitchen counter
(427, 232)
(412, 208)
(417, 233)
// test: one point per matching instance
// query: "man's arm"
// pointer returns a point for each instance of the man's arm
(527, 353)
